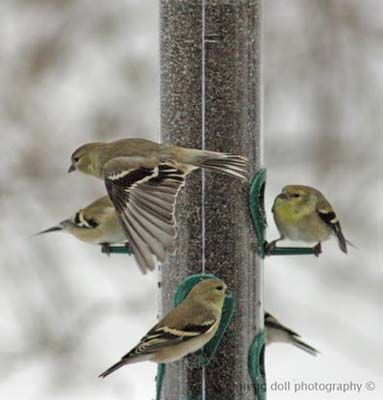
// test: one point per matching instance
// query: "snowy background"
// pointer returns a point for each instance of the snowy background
(72, 72)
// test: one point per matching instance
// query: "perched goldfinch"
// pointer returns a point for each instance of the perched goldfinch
(302, 213)
(97, 223)
(143, 179)
(184, 330)
(275, 332)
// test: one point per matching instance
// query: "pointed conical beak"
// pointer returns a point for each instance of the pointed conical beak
(52, 229)
(71, 168)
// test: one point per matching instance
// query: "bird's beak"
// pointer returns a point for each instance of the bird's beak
(53, 229)
(71, 168)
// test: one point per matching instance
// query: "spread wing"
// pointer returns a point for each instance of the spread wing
(327, 214)
(144, 194)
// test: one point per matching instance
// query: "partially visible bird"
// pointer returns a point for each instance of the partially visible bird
(97, 223)
(143, 179)
(302, 213)
(278, 333)
(186, 328)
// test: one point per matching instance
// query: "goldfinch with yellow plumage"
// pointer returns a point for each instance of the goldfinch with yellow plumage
(302, 213)
(143, 179)
(275, 332)
(97, 223)
(184, 330)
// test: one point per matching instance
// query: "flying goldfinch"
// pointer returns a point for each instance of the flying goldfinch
(302, 213)
(143, 179)
(97, 223)
(278, 333)
(184, 330)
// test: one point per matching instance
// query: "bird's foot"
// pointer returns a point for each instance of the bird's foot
(106, 248)
(269, 247)
(317, 249)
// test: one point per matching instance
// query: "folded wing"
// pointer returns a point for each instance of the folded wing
(327, 214)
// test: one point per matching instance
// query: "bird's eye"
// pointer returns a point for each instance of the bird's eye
(219, 288)
(296, 195)
(76, 159)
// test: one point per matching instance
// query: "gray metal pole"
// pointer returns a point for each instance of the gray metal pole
(211, 99)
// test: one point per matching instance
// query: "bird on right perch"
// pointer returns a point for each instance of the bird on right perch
(302, 213)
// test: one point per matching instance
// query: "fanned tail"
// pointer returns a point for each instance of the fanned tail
(234, 165)
(228, 164)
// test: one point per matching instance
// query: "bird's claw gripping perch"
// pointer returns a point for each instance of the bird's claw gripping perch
(270, 246)
(106, 248)
(317, 249)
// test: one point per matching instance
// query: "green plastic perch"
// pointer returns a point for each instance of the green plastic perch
(117, 250)
(257, 367)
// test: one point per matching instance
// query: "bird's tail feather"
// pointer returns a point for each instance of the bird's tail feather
(129, 358)
(234, 165)
(231, 165)
(352, 244)
(52, 229)
(113, 368)
(342, 242)
(304, 346)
